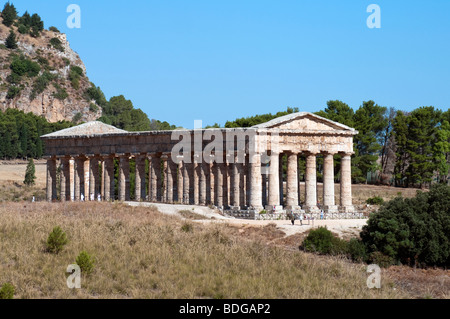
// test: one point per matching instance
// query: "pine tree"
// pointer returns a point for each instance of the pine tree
(30, 173)
(9, 14)
(10, 41)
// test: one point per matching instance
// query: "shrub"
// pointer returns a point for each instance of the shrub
(30, 173)
(357, 250)
(415, 230)
(187, 227)
(54, 29)
(77, 70)
(56, 240)
(77, 118)
(380, 259)
(7, 291)
(322, 241)
(23, 29)
(57, 44)
(10, 41)
(86, 262)
(13, 91)
(377, 200)
(74, 76)
(41, 84)
(96, 94)
(93, 107)
(23, 66)
(61, 93)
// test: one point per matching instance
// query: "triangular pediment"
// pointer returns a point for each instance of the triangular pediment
(304, 121)
(87, 129)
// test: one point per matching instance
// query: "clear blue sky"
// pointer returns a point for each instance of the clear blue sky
(218, 60)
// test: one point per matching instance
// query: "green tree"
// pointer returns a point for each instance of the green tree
(370, 122)
(422, 135)
(10, 41)
(30, 175)
(9, 14)
(413, 230)
(338, 111)
(400, 132)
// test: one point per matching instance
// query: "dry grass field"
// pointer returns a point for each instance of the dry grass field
(141, 253)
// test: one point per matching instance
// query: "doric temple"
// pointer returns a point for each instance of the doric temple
(232, 169)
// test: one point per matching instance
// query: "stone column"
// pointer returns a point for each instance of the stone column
(65, 179)
(255, 200)
(171, 172)
(196, 180)
(109, 178)
(346, 184)
(124, 178)
(51, 179)
(155, 180)
(165, 176)
(280, 174)
(264, 189)
(93, 177)
(274, 182)
(79, 178)
(202, 187)
(219, 184)
(328, 184)
(186, 183)
(86, 178)
(180, 183)
(234, 185)
(311, 183)
(242, 185)
(292, 182)
(72, 179)
(139, 190)
(212, 183)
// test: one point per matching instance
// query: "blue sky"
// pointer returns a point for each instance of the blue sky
(219, 60)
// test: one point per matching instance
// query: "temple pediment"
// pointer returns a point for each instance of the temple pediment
(304, 121)
(86, 129)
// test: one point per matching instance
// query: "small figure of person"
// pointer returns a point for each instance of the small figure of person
(99, 197)
(292, 218)
(321, 214)
(92, 197)
(82, 197)
(33, 199)
(301, 219)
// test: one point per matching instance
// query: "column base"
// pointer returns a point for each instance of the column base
(235, 208)
(276, 208)
(331, 209)
(311, 209)
(347, 209)
(293, 207)
(257, 209)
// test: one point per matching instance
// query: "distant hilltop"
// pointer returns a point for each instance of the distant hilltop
(40, 73)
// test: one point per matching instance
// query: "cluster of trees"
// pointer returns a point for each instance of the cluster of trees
(392, 147)
(405, 148)
(26, 24)
(20, 134)
(121, 113)
(412, 231)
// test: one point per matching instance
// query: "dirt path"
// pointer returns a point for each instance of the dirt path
(342, 227)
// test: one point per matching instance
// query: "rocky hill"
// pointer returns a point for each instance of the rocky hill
(56, 88)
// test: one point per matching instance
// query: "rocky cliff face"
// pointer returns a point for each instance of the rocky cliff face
(55, 61)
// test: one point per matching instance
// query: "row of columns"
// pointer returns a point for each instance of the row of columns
(233, 185)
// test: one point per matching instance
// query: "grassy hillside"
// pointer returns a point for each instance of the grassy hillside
(141, 253)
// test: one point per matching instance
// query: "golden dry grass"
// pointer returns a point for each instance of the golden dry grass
(141, 253)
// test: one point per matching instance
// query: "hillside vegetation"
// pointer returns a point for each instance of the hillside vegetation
(140, 253)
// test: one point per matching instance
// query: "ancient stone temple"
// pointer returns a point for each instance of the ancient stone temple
(232, 169)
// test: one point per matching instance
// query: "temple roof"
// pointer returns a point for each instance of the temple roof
(304, 121)
(87, 129)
